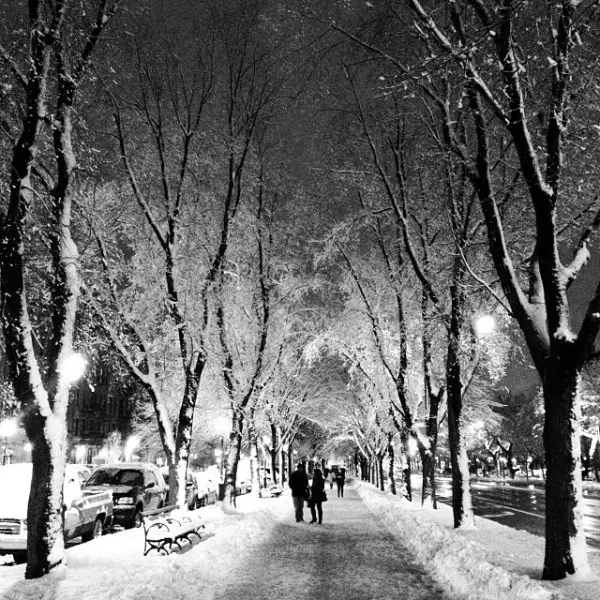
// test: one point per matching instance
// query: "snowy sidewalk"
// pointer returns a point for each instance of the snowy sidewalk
(372, 546)
(351, 556)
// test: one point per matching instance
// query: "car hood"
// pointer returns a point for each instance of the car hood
(117, 490)
(13, 505)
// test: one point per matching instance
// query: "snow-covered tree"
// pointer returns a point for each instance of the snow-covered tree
(46, 56)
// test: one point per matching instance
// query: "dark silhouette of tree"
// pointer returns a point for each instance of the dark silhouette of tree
(49, 59)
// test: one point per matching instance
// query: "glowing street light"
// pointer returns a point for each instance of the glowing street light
(73, 367)
(484, 325)
(80, 453)
(413, 447)
(133, 441)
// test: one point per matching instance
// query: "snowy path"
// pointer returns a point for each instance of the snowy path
(352, 556)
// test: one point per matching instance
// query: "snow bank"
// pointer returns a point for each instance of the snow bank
(102, 570)
(454, 562)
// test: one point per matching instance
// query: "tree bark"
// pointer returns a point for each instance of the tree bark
(462, 507)
(565, 552)
(45, 541)
(228, 504)
(255, 472)
(380, 471)
(406, 468)
(392, 463)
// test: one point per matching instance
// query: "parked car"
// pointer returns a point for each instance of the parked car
(243, 487)
(191, 489)
(207, 486)
(135, 487)
(274, 490)
(87, 513)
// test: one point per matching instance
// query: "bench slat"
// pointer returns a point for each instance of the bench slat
(162, 529)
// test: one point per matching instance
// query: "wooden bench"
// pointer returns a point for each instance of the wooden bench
(166, 528)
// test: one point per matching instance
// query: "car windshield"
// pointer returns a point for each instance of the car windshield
(116, 477)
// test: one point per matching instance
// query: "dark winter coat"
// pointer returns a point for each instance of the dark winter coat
(317, 490)
(298, 483)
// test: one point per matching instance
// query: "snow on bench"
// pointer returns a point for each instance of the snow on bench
(166, 528)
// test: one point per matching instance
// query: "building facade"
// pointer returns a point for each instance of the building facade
(99, 418)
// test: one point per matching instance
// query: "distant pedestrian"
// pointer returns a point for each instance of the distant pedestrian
(299, 485)
(317, 496)
(340, 480)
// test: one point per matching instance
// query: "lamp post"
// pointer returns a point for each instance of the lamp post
(8, 428)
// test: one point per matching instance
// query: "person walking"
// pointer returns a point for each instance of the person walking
(340, 480)
(317, 496)
(299, 485)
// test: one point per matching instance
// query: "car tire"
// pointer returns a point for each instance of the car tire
(20, 558)
(137, 518)
(96, 532)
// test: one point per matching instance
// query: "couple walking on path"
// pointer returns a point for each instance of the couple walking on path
(314, 494)
(339, 478)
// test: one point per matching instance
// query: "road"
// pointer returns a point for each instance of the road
(523, 506)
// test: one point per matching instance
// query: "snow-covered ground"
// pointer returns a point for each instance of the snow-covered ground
(488, 563)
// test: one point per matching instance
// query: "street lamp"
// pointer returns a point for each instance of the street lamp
(80, 453)
(8, 428)
(413, 447)
(484, 325)
(133, 441)
(73, 367)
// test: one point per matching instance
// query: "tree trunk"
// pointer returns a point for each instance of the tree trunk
(281, 466)
(45, 542)
(391, 474)
(406, 470)
(273, 453)
(228, 504)
(380, 471)
(565, 539)
(462, 506)
(509, 462)
(255, 475)
(183, 435)
(290, 455)
(177, 481)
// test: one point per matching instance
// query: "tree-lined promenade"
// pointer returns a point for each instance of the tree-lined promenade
(282, 227)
